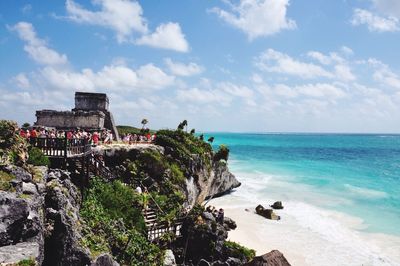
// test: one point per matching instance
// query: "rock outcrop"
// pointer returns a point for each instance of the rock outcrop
(62, 242)
(267, 213)
(277, 205)
(273, 258)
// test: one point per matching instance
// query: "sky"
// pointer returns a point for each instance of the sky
(223, 65)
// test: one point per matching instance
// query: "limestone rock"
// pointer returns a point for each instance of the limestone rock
(273, 258)
(229, 223)
(29, 188)
(105, 260)
(22, 251)
(169, 259)
(13, 216)
(267, 213)
(277, 205)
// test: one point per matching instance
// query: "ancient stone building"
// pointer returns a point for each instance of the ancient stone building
(90, 113)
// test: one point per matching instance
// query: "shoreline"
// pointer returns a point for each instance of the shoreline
(306, 234)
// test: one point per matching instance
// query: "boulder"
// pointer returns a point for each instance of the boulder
(20, 173)
(203, 262)
(273, 258)
(277, 205)
(267, 213)
(105, 260)
(169, 259)
(29, 188)
(229, 224)
(12, 254)
(13, 216)
(208, 216)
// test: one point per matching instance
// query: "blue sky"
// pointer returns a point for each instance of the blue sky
(241, 66)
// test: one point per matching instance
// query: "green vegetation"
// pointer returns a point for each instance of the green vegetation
(5, 181)
(236, 250)
(222, 153)
(27, 262)
(13, 148)
(124, 130)
(25, 125)
(37, 158)
(182, 146)
(113, 223)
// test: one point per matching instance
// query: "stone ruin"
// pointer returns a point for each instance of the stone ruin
(90, 113)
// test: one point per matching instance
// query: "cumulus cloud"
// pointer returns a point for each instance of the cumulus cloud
(257, 18)
(166, 36)
(113, 78)
(36, 47)
(122, 16)
(383, 74)
(277, 62)
(200, 96)
(388, 7)
(181, 69)
(21, 81)
(374, 22)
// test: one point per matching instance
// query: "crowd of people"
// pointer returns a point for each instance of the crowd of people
(218, 214)
(135, 138)
(95, 138)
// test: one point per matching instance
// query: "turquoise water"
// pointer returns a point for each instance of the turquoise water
(359, 173)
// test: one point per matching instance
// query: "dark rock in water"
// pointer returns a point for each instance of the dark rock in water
(229, 223)
(273, 258)
(105, 260)
(277, 205)
(267, 213)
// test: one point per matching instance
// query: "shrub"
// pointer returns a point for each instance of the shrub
(37, 158)
(26, 262)
(236, 250)
(222, 153)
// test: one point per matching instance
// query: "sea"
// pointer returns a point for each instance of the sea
(341, 192)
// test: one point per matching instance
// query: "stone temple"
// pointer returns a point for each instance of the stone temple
(90, 113)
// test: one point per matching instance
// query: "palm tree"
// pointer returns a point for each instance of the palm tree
(182, 125)
(211, 139)
(192, 131)
(201, 137)
(144, 122)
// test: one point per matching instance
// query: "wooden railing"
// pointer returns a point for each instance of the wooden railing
(161, 228)
(97, 168)
(62, 147)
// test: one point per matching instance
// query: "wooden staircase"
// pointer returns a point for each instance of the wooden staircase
(155, 228)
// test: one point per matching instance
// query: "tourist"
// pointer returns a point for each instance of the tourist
(33, 133)
(95, 138)
(22, 133)
(220, 216)
(139, 190)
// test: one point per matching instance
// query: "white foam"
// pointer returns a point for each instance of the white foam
(365, 192)
(308, 234)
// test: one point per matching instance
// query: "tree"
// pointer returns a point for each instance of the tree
(222, 153)
(192, 131)
(144, 122)
(211, 139)
(201, 137)
(25, 125)
(182, 125)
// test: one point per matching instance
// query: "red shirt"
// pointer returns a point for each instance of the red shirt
(33, 133)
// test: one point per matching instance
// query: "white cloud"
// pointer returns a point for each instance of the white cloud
(321, 90)
(112, 78)
(346, 50)
(257, 18)
(236, 90)
(181, 69)
(343, 72)
(277, 62)
(21, 81)
(166, 36)
(320, 57)
(388, 7)
(198, 96)
(36, 47)
(26, 9)
(374, 22)
(123, 16)
(384, 74)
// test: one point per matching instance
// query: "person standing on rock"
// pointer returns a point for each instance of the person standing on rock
(220, 217)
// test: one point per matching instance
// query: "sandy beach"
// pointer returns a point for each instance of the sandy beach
(307, 235)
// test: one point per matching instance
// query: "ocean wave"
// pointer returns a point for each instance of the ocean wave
(366, 192)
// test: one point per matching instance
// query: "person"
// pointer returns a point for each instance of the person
(139, 190)
(220, 217)
(33, 133)
(22, 133)
(95, 138)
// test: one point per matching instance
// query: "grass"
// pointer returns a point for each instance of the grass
(5, 181)
(27, 262)
(236, 250)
